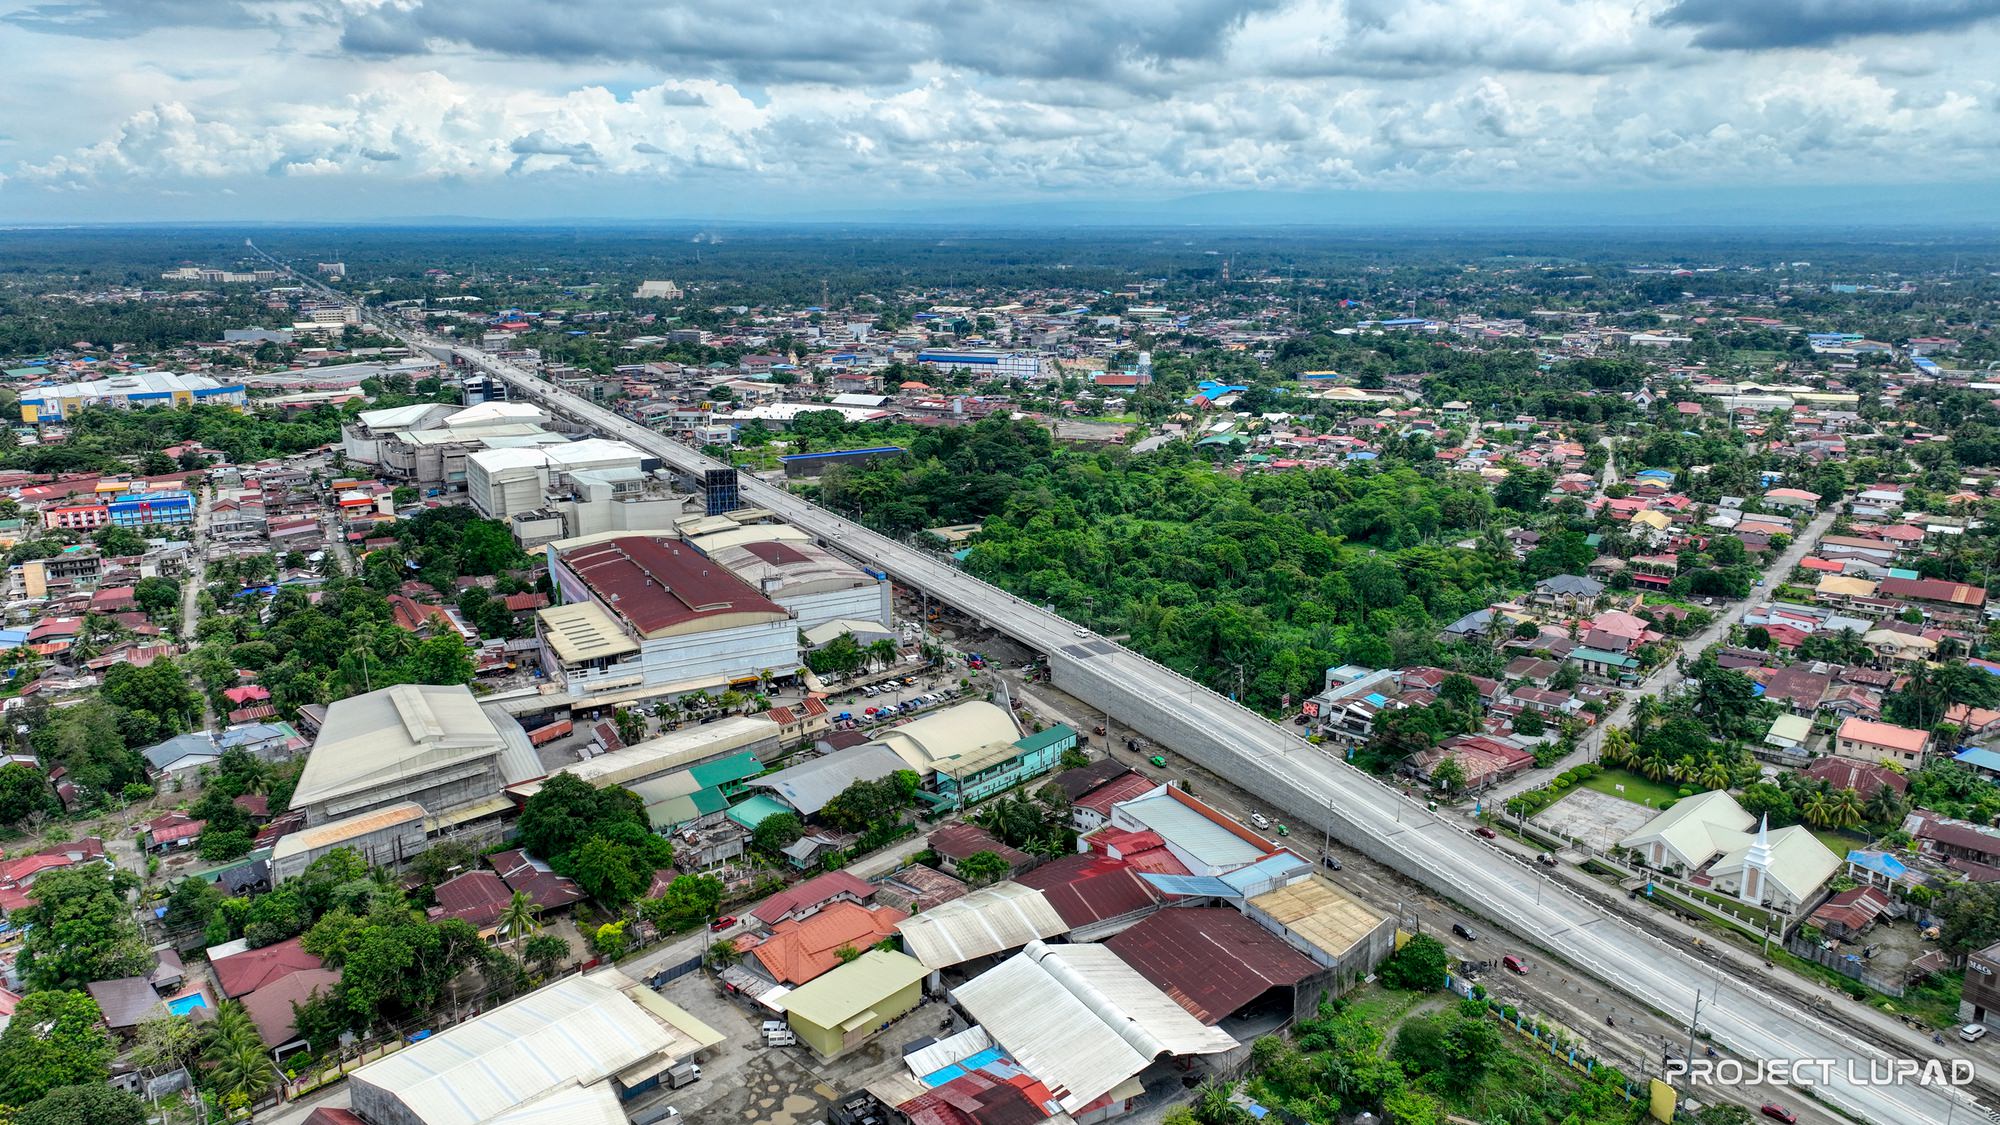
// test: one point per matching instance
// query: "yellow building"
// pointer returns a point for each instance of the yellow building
(842, 1009)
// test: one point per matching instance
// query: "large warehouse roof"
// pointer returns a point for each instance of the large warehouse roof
(1000, 917)
(1212, 960)
(836, 997)
(663, 587)
(808, 786)
(583, 631)
(1080, 1020)
(380, 738)
(954, 731)
(575, 1033)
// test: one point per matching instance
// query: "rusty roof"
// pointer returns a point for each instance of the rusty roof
(658, 584)
(1211, 960)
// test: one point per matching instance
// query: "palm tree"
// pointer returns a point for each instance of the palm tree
(240, 1066)
(1714, 775)
(519, 919)
(1886, 806)
(1817, 809)
(394, 643)
(883, 652)
(1844, 809)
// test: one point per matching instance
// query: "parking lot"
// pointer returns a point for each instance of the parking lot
(744, 1081)
(1599, 820)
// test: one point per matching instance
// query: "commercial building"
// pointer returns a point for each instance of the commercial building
(43, 405)
(983, 362)
(431, 745)
(844, 1008)
(1319, 920)
(142, 510)
(386, 837)
(653, 616)
(1082, 1021)
(1220, 965)
(573, 1052)
(788, 568)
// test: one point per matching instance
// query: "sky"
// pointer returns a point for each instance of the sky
(301, 110)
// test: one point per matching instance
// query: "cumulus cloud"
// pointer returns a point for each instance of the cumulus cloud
(1736, 25)
(907, 97)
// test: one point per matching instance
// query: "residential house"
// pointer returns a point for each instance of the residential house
(1866, 741)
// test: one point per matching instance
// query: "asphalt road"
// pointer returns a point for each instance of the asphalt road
(1299, 778)
(1669, 676)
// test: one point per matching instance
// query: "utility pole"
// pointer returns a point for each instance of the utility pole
(1694, 1021)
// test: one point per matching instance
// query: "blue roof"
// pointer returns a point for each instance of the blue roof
(1660, 473)
(1882, 863)
(843, 453)
(1195, 885)
(1979, 756)
(1256, 878)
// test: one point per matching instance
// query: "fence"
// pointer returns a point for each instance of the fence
(674, 972)
(1846, 964)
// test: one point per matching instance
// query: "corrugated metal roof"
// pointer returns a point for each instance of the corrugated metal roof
(1080, 1021)
(574, 1033)
(1318, 912)
(1272, 871)
(947, 1051)
(1192, 886)
(833, 998)
(1208, 842)
(1212, 960)
(998, 918)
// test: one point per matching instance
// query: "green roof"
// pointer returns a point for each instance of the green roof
(841, 993)
(752, 812)
(735, 767)
(1600, 656)
(676, 811)
(1046, 739)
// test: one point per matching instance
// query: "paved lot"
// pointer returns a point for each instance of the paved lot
(1600, 820)
(742, 1081)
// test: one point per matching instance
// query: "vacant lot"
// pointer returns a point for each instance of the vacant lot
(1597, 819)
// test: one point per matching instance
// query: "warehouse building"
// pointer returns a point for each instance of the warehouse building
(842, 1009)
(652, 616)
(1082, 1021)
(431, 745)
(804, 578)
(128, 391)
(386, 837)
(574, 1052)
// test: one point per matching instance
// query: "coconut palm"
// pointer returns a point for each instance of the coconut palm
(240, 1066)
(394, 643)
(1817, 808)
(519, 919)
(1714, 775)
(1844, 809)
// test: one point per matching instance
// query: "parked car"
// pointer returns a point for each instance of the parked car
(780, 1039)
(1485, 832)
(1972, 1032)
(1465, 931)
(1260, 820)
(722, 923)
(1779, 1113)
(1332, 861)
(1515, 963)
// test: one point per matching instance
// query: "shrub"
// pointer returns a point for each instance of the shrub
(1686, 791)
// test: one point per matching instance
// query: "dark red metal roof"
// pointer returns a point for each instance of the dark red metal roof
(657, 584)
(1086, 888)
(1212, 960)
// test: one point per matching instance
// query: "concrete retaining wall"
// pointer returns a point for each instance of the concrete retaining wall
(1095, 683)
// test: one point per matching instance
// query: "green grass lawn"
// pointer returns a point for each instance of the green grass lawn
(1838, 842)
(1638, 790)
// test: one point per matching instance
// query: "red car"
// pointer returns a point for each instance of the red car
(1780, 1113)
(1484, 832)
(723, 923)
(1515, 963)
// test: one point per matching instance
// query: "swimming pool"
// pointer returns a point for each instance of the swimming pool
(182, 1005)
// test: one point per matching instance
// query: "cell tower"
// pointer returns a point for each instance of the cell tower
(824, 304)
(1225, 271)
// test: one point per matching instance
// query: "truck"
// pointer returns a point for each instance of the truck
(682, 1075)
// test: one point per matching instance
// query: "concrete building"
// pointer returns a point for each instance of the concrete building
(385, 837)
(503, 481)
(653, 616)
(133, 390)
(430, 745)
(983, 362)
(574, 1052)
(803, 577)
(844, 1008)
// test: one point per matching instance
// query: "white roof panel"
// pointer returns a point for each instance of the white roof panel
(993, 920)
